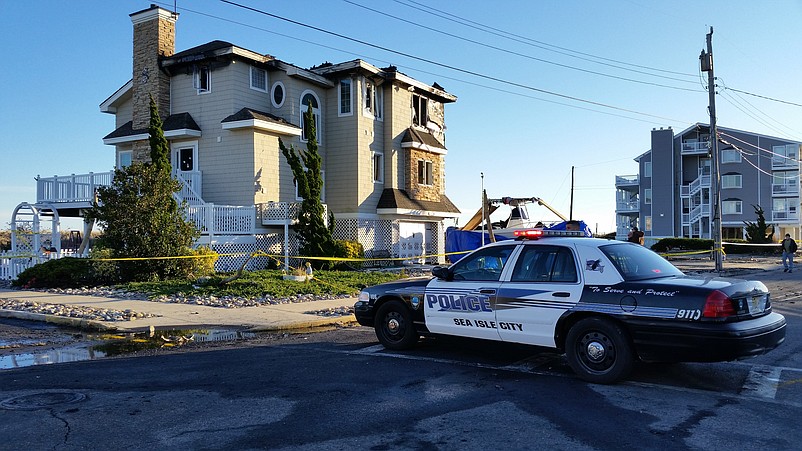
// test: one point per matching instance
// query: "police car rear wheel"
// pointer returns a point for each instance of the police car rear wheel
(599, 351)
(394, 327)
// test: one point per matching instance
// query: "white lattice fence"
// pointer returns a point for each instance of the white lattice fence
(374, 234)
(271, 243)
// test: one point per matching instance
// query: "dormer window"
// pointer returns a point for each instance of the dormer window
(202, 79)
(258, 79)
(420, 110)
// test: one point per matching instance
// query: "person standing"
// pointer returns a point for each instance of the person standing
(789, 248)
(635, 236)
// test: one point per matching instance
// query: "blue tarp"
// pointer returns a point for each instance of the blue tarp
(465, 240)
(468, 240)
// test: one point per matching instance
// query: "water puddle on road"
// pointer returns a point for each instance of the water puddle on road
(97, 346)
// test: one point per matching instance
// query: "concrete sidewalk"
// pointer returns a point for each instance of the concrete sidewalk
(182, 316)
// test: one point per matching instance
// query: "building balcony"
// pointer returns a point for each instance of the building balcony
(785, 190)
(71, 189)
(623, 206)
(692, 147)
(695, 186)
(785, 216)
(781, 162)
(623, 181)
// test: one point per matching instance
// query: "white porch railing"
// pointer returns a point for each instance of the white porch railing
(191, 186)
(783, 162)
(223, 219)
(71, 188)
(277, 213)
(13, 263)
(703, 181)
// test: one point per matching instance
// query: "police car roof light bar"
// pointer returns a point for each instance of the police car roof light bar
(533, 234)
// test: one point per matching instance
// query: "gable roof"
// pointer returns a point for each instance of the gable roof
(180, 125)
(397, 201)
(422, 140)
(250, 118)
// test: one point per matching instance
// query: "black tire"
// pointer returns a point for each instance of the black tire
(599, 351)
(394, 327)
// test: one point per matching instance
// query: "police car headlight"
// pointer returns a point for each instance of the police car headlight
(364, 296)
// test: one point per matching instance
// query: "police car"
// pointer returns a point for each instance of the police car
(604, 303)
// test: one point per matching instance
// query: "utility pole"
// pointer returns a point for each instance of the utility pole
(571, 208)
(706, 62)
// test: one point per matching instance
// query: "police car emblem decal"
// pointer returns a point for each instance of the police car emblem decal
(415, 302)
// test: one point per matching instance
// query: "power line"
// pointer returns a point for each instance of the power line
(446, 66)
(535, 43)
(523, 55)
(764, 97)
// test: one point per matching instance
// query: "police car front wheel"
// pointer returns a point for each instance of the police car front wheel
(599, 351)
(394, 327)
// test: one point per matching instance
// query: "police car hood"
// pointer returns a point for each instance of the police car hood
(400, 285)
(726, 285)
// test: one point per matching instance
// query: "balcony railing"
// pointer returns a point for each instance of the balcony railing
(626, 180)
(223, 219)
(695, 147)
(781, 162)
(702, 182)
(280, 213)
(622, 205)
(696, 213)
(785, 190)
(71, 188)
(786, 216)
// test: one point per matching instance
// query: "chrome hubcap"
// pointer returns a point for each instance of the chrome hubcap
(393, 325)
(596, 351)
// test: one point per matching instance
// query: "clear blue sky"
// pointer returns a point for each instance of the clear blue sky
(63, 58)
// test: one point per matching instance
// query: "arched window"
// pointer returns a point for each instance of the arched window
(307, 98)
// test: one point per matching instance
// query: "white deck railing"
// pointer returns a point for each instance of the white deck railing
(71, 188)
(277, 213)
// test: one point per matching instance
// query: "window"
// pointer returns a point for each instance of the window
(638, 262)
(420, 110)
(277, 96)
(647, 169)
(731, 207)
(307, 98)
(373, 96)
(125, 158)
(202, 79)
(730, 181)
(258, 79)
(425, 172)
(345, 99)
(545, 264)
(378, 167)
(647, 196)
(730, 156)
(483, 265)
(647, 223)
(184, 159)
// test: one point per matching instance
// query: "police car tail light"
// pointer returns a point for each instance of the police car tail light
(718, 305)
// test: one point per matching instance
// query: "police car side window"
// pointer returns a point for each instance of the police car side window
(545, 264)
(484, 265)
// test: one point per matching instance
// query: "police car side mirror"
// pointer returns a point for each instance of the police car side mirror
(442, 272)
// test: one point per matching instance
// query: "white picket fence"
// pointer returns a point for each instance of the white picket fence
(12, 264)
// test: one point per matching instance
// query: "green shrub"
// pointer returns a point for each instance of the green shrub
(64, 272)
(201, 266)
(348, 249)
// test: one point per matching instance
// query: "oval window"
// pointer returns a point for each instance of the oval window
(277, 96)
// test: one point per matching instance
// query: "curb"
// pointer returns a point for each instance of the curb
(308, 324)
(78, 323)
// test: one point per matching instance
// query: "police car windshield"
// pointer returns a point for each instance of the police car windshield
(635, 262)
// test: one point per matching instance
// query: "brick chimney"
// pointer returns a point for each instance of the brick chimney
(154, 38)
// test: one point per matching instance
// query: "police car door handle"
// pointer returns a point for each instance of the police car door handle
(487, 290)
(561, 294)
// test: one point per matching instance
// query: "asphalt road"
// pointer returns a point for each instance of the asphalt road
(341, 390)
